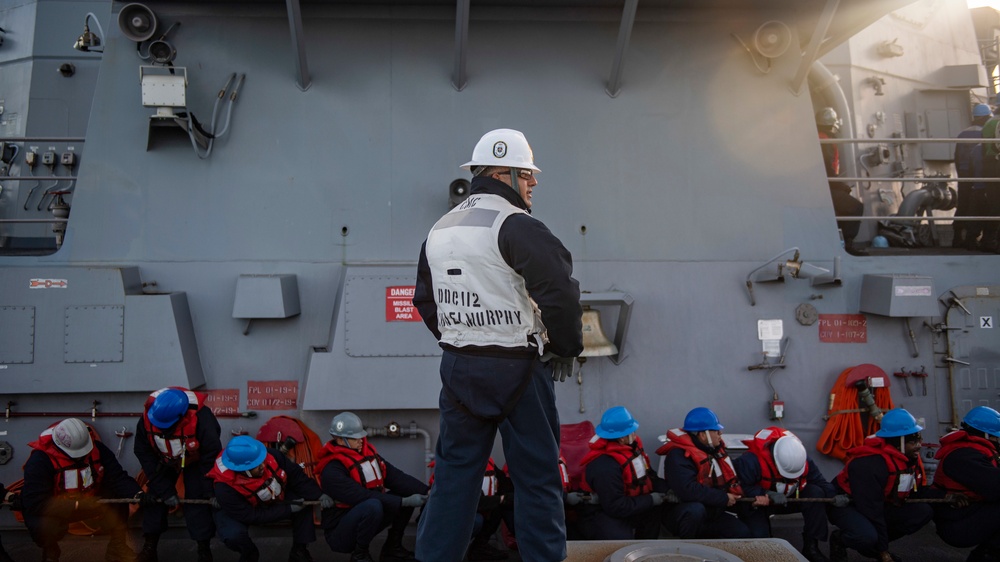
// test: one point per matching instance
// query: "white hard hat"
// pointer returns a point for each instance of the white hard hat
(502, 147)
(72, 436)
(790, 456)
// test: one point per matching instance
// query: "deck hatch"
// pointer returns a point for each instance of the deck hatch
(94, 334)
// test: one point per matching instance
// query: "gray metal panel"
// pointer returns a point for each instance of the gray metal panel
(266, 296)
(94, 334)
(899, 295)
(367, 333)
(160, 344)
(938, 126)
(17, 334)
(973, 346)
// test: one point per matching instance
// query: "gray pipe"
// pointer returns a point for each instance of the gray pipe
(411, 431)
(914, 202)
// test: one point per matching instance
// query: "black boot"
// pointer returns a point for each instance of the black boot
(810, 549)
(51, 552)
(148, 552)
(118, 549)
(299, 553)
(838, 551)
(4, 557)
(394, 551)
(361, 554)
(205, 551)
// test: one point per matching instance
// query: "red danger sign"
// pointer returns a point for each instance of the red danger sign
(223, 400)
(843, 328)
(399, 304)
(272, 395)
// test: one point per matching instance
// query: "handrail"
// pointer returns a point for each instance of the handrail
(902, 140)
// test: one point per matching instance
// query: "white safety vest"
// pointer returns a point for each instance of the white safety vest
(480, 300)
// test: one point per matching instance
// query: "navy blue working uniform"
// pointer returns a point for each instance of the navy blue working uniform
(491, 374)
(362, 512)
(815, 524)
(872, 522)
(619, 516)
(970, 468)
(48, 513)
(238, 511)
(162, 474)
(702, 511)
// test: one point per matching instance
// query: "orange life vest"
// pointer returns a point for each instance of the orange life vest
(80, 476)
(269, 486)
(489, 486)
(631, 458)
(903, 479)
(713, 471)
(961, 440)
(177, 445)
(762, 447)
(366, 468)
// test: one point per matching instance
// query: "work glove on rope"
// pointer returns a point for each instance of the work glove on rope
(777, 498)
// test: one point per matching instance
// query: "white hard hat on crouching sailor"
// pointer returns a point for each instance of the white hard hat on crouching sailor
(72, 436)
(502, 147)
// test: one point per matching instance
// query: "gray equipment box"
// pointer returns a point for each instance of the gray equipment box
(899, 295)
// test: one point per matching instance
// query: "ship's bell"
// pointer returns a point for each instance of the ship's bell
(595, 343)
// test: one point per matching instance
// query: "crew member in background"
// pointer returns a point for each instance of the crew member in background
(698, 470)
(177, 435)
(496, 502)
(991, 169)
(879, 475)
(629, 492)
(255, 485)
(844, 203)
(970, 466)
(371, 493)
(66, 475)
(971, 195)
(774, 468)
(495, 286)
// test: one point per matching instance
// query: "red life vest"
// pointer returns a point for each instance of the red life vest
(631, 458)
(177, 445)
(269, 486)
(563, 473)
(366, 468)
(961, 440)
(903, 479)
(762, 447)
(713, 471)
(489, 486)
(80, 476)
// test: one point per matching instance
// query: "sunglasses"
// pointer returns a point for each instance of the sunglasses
(523, 174)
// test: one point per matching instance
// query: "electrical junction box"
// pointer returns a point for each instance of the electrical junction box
(899, 295)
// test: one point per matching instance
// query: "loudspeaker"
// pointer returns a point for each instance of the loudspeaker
(772, 39)
(137, 22)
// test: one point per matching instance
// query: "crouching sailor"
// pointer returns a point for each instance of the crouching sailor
(66, 475)
(255, 485)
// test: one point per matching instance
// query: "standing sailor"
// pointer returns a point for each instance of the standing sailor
(495, 286)
(177, 435)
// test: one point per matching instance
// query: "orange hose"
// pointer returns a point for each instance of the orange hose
(844, 431)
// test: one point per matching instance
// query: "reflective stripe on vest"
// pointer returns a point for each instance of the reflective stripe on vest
(631, 458)
(762, 447)
(962, 440)
(713, 471)
(903, 478)
(269, 486)
(80, 476)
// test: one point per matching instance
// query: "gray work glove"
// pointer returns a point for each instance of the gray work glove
(297, 506)
(172, 501)
(215, 502)
(325, 502)
(658, 498)
(672, 497)
(841, 500)
(562, 367)
(777, 499)
(594, 499)
(574, 498)
(416, 500)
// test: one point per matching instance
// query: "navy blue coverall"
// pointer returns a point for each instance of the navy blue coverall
(871, 522)
(485, 379)
(48, 517)
(163, 477)
(237, 513)
(702, 512)
(815, 524)
(979, 523)
(370, 511)
(619, 517)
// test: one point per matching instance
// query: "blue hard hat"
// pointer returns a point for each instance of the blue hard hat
(701, 419)
(880, 242)
(243, 453)
(616, 422)
(984, 419)
(168, 408)
(897, 423)
(981, 110)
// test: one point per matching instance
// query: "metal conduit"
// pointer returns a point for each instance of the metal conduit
(394, 430)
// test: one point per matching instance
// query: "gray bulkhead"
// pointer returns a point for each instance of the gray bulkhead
(694, 174)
